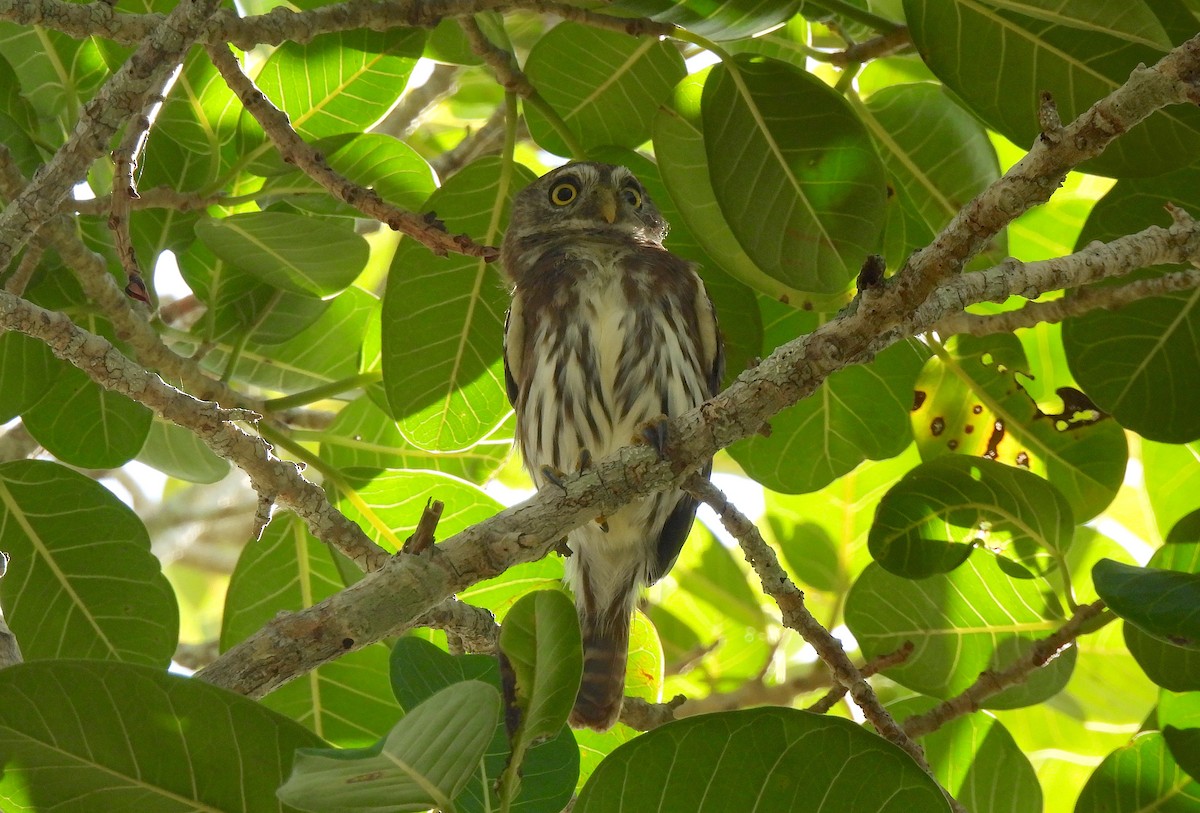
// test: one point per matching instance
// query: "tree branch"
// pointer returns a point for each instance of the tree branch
(297, 151)
(790, 599)
(123, 96)
(991, 683)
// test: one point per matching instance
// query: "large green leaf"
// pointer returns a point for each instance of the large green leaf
(679, 148)
(18, 122)
(382, 163)
(1142, 776)
(86, 736)
(340, 82)
(794, 171)
(970, 400)
(937, 156)
(1138, 361)
(326, 350)
(728, 20)
(1179, 717)
(390, 505)
(58, 73)
(82, 582)
(540, 643)
(27, 370)
(1077, 51)
(766, 760)
(973, 618)
(1172, 667)
(604, 85)
(443, 318)
(304, 255)
(933, 519)
(1163, 603)
(1172, 473)
(345, 701)
(549, 770)
(363, 437)
(858, 413)
(179, 453)
(976, 760)
(425, 761)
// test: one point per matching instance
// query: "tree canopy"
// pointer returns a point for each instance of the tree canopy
(269, 547)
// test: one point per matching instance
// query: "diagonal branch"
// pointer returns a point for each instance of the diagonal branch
(124, 95)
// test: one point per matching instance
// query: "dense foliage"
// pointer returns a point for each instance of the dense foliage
(974, 498)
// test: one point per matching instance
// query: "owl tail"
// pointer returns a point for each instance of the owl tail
(605, 650)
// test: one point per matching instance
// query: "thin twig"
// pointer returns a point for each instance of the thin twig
(871, 667)
(790, 600)
(992, 683)
(297, 151)
(422, 537)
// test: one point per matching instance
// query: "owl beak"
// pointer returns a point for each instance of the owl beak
(607, 204)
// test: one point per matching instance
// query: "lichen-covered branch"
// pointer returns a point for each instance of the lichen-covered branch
(992, 682)
(125, 95)
(297, 151)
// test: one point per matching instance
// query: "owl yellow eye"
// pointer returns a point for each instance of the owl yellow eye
(563, 193)
(632, 196)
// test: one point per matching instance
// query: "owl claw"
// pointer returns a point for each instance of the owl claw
(602, 521)
(585, 459)
(654, 434)
(555, 476)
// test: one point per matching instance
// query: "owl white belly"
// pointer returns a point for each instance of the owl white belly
(609, 368)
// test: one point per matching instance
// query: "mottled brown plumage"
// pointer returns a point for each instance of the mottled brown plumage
(607, 331)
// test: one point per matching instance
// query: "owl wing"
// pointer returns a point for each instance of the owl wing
(679, 521)
(514, 349)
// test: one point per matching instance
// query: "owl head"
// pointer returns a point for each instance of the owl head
(583, 199)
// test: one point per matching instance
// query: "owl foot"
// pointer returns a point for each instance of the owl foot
(655, 434)
(555, 476)
(585, 463)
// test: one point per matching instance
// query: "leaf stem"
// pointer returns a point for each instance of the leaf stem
(705, 43)
(321, 392)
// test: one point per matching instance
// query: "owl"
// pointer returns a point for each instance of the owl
(608, 332)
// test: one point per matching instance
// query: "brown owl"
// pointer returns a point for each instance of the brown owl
(608, 332)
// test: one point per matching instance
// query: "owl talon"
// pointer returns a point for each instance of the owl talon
(602, 521)
(585, 459)
(555, 476)
(654, 434)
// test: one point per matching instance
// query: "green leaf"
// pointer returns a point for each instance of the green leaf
(345, 701)
(794, 172)
(1172, 473)
(389, 506)
(1138, 777)
(679, 149)
(973, 618)
(540, 643)
(718, 580)
(1163, 603)
(85, 425)
(18, 122)
(58, 73)
(340, 82)
(27, 370)
(178, 452)
(549, 771)
(1079, 52)
(1179, 716)
(969, 400)
(304, 255)
(443, 318)
(940, 511)
(729, 20)
(500, 593)
(425, 761)
(87, 735)
(326, 350)
(605, 86)
(860, 412)
(766, 760)
(937, 156)
(239, 304)
(388, 166)
(364, 438)
(1137, 361)
(977, 761)
(1172, 667)
(82, 582)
